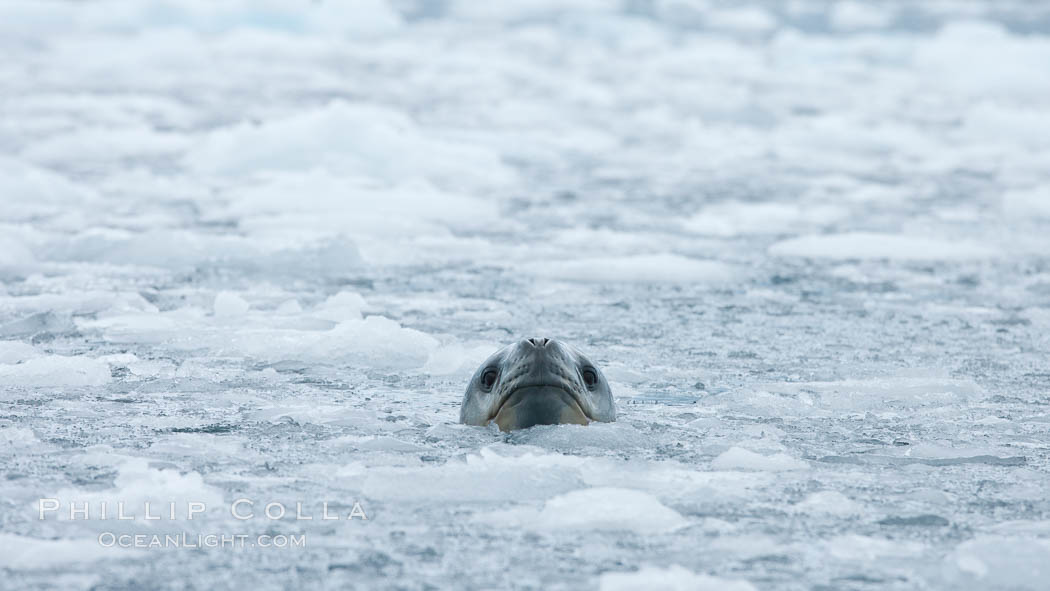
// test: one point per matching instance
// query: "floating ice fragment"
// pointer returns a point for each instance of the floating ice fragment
(734, 219)
(55, 371)
(457, 359)
(853, 547)
(672, 578)
(289, 307)
(871, 245)
(998, 562)
(15, 257)
(12, 352)
(751, 19)
(916, 389)
(738, 458)
(851, 15)
(359, 19)
(228, 304)
(1027, 203)
(486, 476)
(619, 437)
(512, 11)
(828, 502)
(345, 305)
(136, 484)
(654, 268)
(369, 140)
(29, 192)
(26, 553)
(384, 443)
(981, 59)
(12, 438)
(603, 509)
(82, 145)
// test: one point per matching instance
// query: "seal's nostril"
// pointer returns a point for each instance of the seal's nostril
(539, 343)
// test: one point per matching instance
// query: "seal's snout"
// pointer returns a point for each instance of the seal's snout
(539, 405)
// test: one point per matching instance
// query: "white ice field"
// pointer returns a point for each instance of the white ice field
(254, 249)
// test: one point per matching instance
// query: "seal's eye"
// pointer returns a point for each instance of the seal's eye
(590, 377)
(488, 379)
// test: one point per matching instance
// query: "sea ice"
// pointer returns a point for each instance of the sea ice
(28, 553)
(595, 509)
(673, 578)
(870, 245)
(639, 268)
(350, 138)
(737, 458)
(229, 304)
(256, 249)
(54, 371)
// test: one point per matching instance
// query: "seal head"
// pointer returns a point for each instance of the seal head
(537, 382)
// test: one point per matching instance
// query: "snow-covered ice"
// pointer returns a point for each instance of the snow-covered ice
(253, 251)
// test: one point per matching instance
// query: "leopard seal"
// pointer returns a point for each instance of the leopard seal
(537, 381)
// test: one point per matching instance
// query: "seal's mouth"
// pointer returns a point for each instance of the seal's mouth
(528, 406)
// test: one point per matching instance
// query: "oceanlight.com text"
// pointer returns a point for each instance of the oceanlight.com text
(184, 540)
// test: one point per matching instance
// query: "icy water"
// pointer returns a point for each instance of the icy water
(255, 250)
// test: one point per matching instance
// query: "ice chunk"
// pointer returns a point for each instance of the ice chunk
(345, 305)
(928, 450)
(853, 547)
(55, 371)
(362, 19)
(289, 308)
(83, 145)
(383, 443)
(522, 474)
(391, 220)
(604, 509)
(229, 304)
(365, 139)
(79, 303)
(672, 578)
(1024, 204)
(871, 245)
(42, 323)
(1010, 127)
(12, 352)
(336, 200)
(733, 219)
(25, 553)
(18, 437)
(512, 11)
(181, 249)
(457, 359)
(915, 389)
(852, 15)
(975, 58)
(135, 485)
(375, 341)
(655, 268)
(15, 256)
(575, 438)
(997, 562)
(751, 19)
(738, 458)
(30, 192)
(828, 502)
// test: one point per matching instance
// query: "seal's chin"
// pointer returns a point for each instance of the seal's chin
(539, 405)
